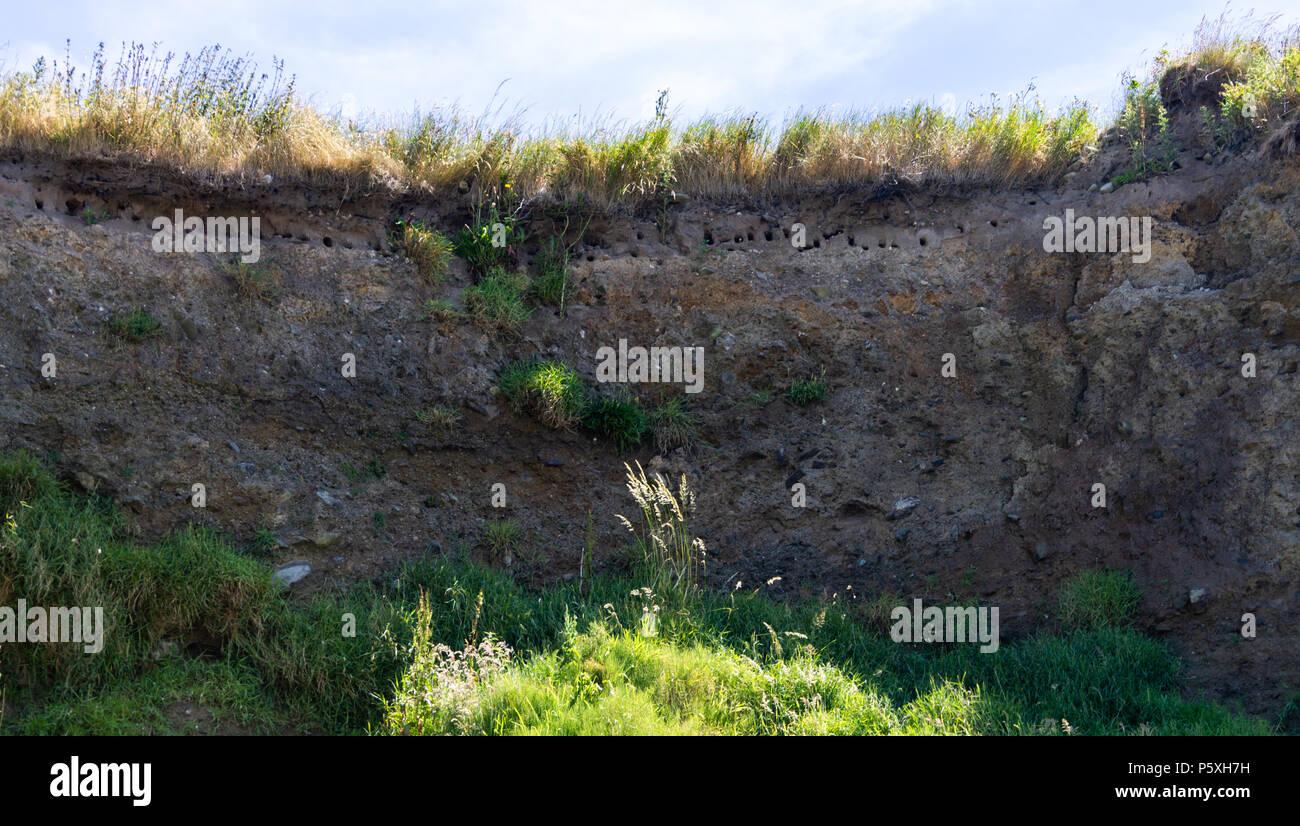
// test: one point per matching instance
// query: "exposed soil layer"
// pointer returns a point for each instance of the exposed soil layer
(1072, 369)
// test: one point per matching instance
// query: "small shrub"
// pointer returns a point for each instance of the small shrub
(489, 242)
(1144, 122)
(496, 303)
(1100, 599)
(137, 325)
(552, 390)
(92, 216)
(426, 248)
(622, 420)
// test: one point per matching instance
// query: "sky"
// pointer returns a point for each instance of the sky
(581, 62)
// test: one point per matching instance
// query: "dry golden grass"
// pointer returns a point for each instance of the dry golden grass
(214, 113)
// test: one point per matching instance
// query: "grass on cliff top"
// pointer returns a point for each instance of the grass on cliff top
(216, 112)
(605, 656)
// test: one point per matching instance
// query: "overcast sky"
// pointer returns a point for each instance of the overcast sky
(584, 59)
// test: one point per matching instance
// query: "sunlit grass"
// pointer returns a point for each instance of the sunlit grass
(215, 112)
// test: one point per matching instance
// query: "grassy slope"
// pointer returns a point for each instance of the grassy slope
(581, 662)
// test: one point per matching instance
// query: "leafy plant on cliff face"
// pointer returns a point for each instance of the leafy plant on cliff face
(1144, 123)
(491, 240)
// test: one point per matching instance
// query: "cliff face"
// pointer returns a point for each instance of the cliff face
(1068, 370)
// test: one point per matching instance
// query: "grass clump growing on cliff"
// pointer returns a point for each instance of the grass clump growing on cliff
(501, 538)
(439, 417)
(136, 325)
(554, 278)
(1244, 72)
(621, 419)
(1099, 599)
(674, 558)
(806, 391)
(254, 280)
(496, 302)
(673, 425)
(426, 248)
(551, 390)
(441, 309)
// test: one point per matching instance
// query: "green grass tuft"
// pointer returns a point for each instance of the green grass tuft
(551, 390)
(137, 325)
(1100, 599)
(803, 392)
(673, 425)
(554, 280)
(496, 302)
(427, 248)
(622, 420)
